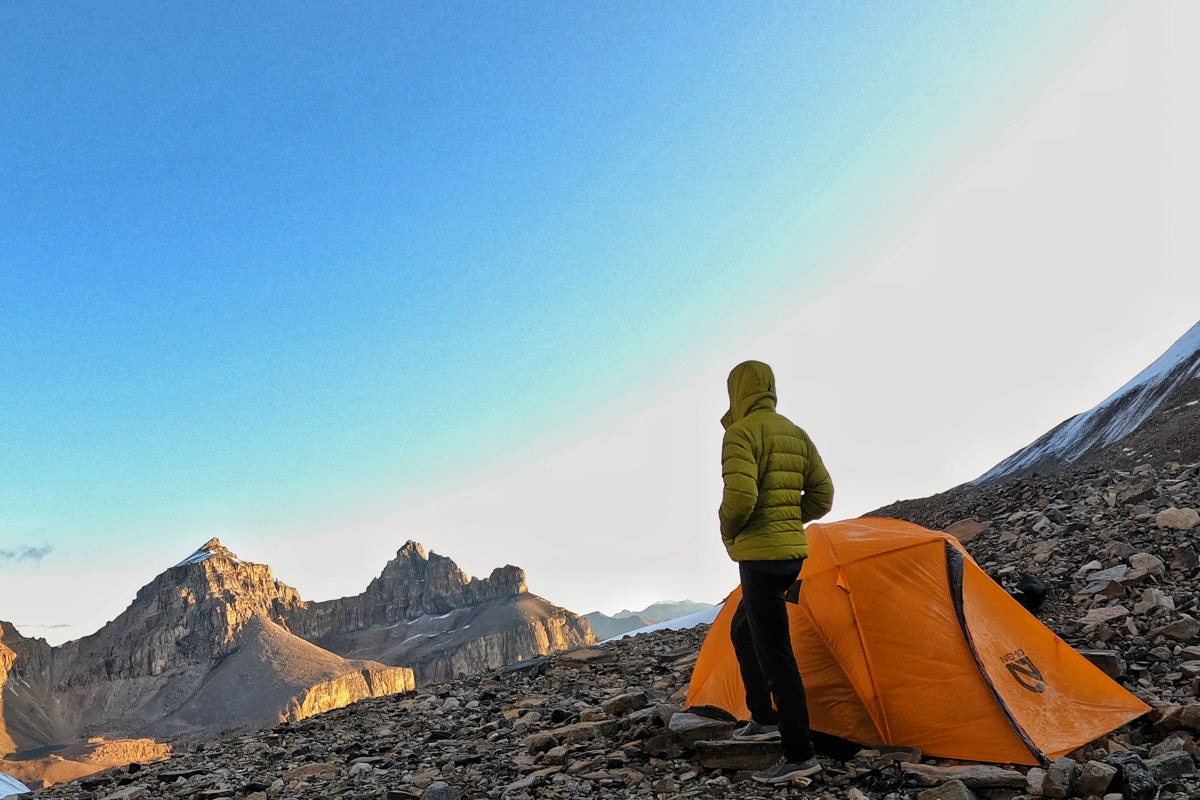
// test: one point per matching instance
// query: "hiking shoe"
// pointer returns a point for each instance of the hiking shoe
(785, 771)
(753, 732)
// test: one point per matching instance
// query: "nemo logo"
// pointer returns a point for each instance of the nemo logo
(1023, 671)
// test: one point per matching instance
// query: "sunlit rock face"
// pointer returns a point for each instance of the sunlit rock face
(27, 707)
(346, 689)
(7, 659)
(84, 758)
(202, 649)
(215, 644)
(423, 612)
(192, 611)
(411, 586)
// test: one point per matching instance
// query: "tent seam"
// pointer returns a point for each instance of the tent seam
(954, 575)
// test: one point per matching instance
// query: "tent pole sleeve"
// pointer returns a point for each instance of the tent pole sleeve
(954, 574)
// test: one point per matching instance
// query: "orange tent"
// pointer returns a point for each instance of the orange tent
(902, 639)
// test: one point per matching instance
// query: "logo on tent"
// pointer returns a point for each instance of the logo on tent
(1023, 670)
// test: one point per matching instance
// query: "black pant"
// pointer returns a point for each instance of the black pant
(763, 644)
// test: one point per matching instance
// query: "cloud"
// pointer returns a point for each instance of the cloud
(26, 553)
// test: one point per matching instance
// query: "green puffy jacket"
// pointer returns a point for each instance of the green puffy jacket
(774, 479)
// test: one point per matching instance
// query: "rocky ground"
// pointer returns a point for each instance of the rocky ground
(1116, 550)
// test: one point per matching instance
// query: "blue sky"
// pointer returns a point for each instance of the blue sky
(299, 275)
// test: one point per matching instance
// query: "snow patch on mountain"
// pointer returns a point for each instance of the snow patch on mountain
(195, 558)
(207, 550)
(1119, 415)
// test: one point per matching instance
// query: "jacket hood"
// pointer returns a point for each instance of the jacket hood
(751, 388)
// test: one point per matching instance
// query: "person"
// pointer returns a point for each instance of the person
(775, 482)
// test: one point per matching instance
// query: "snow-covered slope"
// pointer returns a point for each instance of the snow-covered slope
(704, 617)
(206, 551)
(10, 786)
(1143, 413)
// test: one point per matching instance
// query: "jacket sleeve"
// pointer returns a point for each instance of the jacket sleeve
(817, 498)
(739, 469)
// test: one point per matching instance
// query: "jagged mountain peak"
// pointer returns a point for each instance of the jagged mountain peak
(192, 611)
(413, 565)
(212, 544)
(414, 596)
(210, 549)
(411, 549)
(431, 583)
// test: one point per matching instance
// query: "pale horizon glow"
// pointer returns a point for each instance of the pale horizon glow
(1022, 249)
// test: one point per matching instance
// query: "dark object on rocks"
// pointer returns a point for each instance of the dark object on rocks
(886, 781)
(170, 776)
(1134, 779)
(534, 667)
(712, 712)
(826, 744)
(1031, 592)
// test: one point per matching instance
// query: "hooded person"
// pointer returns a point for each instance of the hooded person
(775, 482)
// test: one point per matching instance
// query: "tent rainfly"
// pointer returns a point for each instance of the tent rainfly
(902, 639)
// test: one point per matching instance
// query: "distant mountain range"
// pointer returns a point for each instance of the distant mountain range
(606, 627)
(215, 644)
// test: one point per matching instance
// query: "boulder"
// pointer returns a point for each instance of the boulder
(690, 728)
(950, 790)
(1177, 518)
(1060, 778)
(1183, 629)
(1169, 766)
(1109, 661)
(1094, 779)
(966, 529)
(730, 754)
(975, 776)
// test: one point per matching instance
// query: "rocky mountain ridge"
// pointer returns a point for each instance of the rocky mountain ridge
(412, 585)
(207, 634)
(422, 611)
(1155, 416)
(209, 647)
